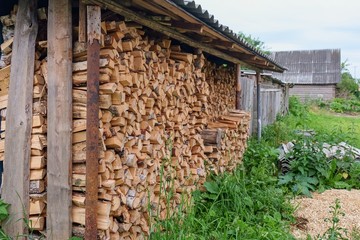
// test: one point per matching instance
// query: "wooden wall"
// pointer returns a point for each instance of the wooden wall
(274, 101)
(248, 98)
(306, 92)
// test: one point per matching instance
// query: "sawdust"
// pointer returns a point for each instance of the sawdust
(311, 212)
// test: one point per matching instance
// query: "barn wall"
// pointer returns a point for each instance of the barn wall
(306, 92)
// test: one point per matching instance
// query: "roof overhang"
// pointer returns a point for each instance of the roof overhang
(171, 18)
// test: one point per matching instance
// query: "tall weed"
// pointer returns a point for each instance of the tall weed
(246, 204)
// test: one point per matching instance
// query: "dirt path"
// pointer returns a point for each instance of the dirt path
(316, 209)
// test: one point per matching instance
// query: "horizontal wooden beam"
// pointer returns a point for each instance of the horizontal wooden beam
(187, 27)
(205, 39)
(242, 56)
(222, 43)
(264, 62)
(129, 14)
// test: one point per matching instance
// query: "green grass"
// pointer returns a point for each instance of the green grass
(328, 126)
(347, 127)
(247, 204)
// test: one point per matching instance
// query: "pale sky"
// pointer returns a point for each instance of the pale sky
(295, 25)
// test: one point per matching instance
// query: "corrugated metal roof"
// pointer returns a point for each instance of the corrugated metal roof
(310, 66)
(197, 11)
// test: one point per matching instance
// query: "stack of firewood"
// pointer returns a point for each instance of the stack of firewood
(5, 74)
(222, 88)
(37, 209)
(37, 186)
(4, 88)
(225, 140)
(156, 102)
(153, 101)
(235, 125)
(8, 22)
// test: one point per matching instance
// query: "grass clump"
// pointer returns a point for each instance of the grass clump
(244, 205)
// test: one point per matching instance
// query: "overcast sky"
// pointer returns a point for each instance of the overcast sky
(295, 25)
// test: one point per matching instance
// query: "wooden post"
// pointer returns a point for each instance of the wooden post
(238, 86)
(82, 22)
(59, 157)
(92, 120)
(258, 97)
(19, 119)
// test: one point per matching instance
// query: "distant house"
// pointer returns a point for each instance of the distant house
(314, 73)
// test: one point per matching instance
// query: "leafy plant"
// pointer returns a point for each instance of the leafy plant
(311, 170)
(76, 238)
(296, 107)
(335, 232)
(4, 214)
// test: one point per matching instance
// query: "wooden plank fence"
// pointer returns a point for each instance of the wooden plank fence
(273, 102)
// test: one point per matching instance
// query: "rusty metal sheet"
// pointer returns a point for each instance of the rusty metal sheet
(92, 121)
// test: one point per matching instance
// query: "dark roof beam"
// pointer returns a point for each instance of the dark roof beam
(222, 43)
(129, 14)
(187, 27)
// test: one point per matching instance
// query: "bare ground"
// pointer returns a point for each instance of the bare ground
(311, 212)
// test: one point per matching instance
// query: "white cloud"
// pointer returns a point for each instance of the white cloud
(286, 25)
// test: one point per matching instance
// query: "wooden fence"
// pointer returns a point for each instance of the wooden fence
(274, 101)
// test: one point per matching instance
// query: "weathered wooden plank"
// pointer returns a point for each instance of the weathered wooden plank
(92, 120)
(82, 22)
(19, 118)
(258, 96)
(248, 98)
(59, 225)
(238, 87)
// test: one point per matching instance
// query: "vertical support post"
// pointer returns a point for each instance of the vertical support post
(82, 22)
(92, 120)
(19, 118)
(238, 87)
(258, 97)
(59, 164)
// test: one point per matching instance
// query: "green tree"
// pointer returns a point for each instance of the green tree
(255, 42)
(347, 85)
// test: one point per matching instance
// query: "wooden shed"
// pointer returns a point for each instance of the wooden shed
(314, 73)
(114, 111)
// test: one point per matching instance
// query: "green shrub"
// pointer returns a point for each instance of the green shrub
(296, 107)
(348, 84)
(341, 105)
(311, 170)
